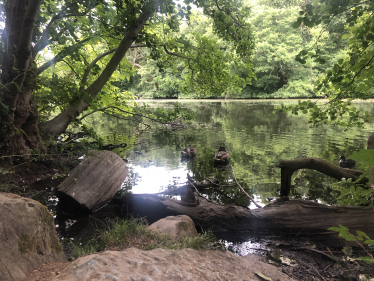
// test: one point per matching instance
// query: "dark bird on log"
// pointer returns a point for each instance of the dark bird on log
(189, 151)
(346, 163)
(222, 156)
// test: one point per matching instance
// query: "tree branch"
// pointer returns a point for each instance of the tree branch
(135, 64)
(58, 124)
(119, 109)
(358, 72)
(59, 57)
(88, 68)
(43, 41)
(72, 69)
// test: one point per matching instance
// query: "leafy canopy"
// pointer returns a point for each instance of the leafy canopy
(83, 36)
(350, 78)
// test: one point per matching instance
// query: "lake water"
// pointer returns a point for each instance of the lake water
(255, 137)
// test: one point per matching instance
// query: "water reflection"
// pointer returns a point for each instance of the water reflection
(255, 138)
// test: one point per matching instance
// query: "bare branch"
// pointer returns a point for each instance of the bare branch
(72, 69)
(135, 64)
(124, 111)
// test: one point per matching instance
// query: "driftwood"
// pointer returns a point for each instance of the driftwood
(94, 181)
(295, 217)
(288, 167)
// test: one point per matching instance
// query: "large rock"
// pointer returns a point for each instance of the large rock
(175, 226)
(28, 237)
(160, 264)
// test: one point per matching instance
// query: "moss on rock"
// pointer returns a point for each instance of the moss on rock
(27, 244)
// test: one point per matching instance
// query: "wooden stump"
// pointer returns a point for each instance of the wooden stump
(94, 181)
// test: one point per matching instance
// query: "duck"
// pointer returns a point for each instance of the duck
(189, 151)
(222, 156)
(346, 163)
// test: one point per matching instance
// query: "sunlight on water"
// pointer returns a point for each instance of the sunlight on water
(156, 179)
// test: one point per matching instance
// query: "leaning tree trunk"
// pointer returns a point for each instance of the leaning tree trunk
(19, 131)
(58, 125)
(18, 113)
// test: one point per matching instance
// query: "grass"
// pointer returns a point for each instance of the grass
(123, 234)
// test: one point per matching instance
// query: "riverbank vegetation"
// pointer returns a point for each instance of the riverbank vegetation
(123, 234)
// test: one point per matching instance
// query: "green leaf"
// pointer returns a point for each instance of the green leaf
(370, 37)
(366, 259)
(334, 228)
(296, 24)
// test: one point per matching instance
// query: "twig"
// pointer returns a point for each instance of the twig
(219, 184)
(305, 264)
(367, 252)
(335, 259)
(253, 201)
(188, 178)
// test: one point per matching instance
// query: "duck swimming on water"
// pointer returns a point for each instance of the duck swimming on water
(346, 163)
(189, 151)
(222, 156)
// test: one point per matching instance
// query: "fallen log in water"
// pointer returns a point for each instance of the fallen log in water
(288, 167)
(94, 181)
(295, 217)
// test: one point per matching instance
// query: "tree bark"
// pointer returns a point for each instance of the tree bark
(295, 217)
(18, 113)
(288, 167)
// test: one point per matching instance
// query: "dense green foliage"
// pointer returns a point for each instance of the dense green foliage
(349, 78)
(277, 44)
(167, 40)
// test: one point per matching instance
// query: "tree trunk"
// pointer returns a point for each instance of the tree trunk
(295, 217)
(58, 125)
(288, 167)
(19, 131)
(18, 113)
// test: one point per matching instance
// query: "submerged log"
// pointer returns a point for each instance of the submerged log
(94, 181)
(288, 167)
(295, 217)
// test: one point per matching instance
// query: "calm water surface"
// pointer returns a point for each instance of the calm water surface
(255, 137)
